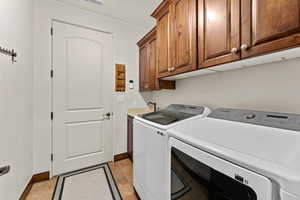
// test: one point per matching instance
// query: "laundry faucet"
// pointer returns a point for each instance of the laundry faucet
(153, 104)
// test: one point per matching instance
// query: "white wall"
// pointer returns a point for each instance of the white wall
(269, 87)
(16, 97)
(126, 52)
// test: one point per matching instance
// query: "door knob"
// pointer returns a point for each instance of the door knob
(244, 47)
(106, 116)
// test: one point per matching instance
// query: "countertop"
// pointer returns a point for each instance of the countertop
(138, 111)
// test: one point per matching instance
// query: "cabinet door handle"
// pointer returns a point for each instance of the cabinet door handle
(171, 69)
(234, 50)
(244, 47)
(4, 170)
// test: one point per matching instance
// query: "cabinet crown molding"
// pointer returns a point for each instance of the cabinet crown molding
(161, 9)
(149, 35)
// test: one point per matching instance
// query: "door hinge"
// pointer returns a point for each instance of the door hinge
(52, 157)
(51, 73)
(51, 31)
(51, 116)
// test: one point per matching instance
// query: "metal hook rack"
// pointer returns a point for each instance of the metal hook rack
(11, 53)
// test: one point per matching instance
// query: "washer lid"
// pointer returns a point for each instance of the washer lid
(174, 113)
(270, 151)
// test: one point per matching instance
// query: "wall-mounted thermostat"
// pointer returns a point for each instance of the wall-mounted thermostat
(131, 84)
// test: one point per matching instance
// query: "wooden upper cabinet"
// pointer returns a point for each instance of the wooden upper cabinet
(183, 36)
(153, 82)
(269, 25)
(218, 31)
(163, 45)
(148, 62)
(206, 33)
(176, 37)
(144, 68)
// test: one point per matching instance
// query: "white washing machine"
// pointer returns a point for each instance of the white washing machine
(150, 143)
(235, 155)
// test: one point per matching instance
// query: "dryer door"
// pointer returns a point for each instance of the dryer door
(197, 175)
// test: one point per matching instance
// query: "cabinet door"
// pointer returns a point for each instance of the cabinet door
(269, 25)
(183, 36)
(130, 136)
(144, 68)
(163, 46)
(153, 81)
(219, 31)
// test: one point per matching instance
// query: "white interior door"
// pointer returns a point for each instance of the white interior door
(82, 95)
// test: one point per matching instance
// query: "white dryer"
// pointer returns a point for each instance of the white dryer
(235, 154)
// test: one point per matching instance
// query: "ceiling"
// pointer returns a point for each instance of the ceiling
(132, 11)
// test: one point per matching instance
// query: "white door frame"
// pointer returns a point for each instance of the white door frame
(52, 90)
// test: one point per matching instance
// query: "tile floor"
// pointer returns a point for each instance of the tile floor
(122, 171)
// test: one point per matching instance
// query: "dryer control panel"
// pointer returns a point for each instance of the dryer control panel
(271, 119)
